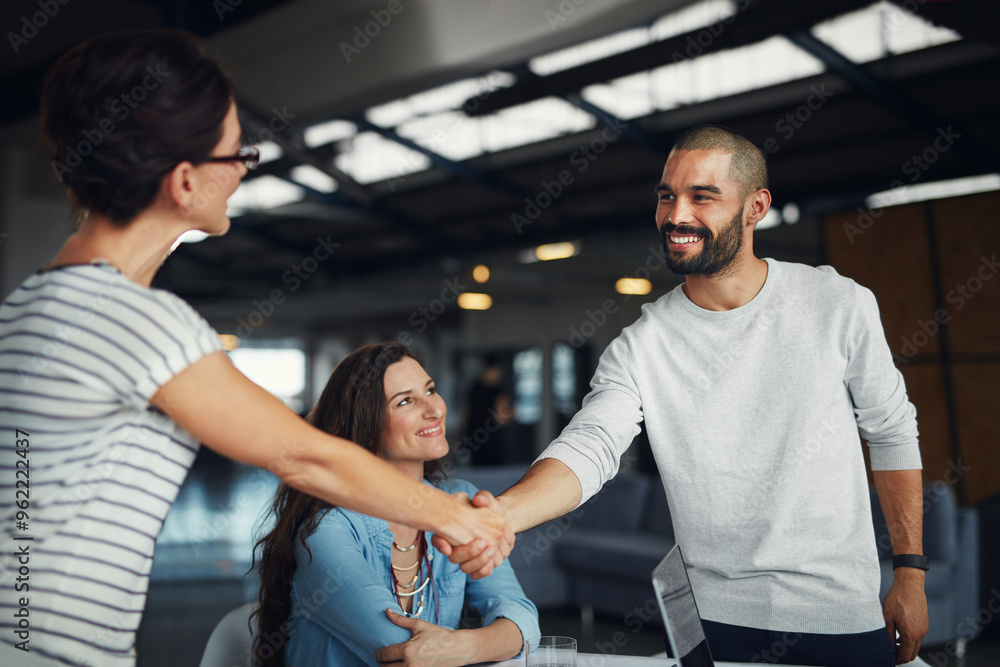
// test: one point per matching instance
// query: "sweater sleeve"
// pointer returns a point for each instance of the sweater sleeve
(595, 439)
(885, 416)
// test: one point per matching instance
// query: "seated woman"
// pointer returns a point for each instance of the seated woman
(342, 588)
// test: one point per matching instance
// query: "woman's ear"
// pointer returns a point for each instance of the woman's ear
(179, 185)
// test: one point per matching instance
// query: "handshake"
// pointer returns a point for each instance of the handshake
(479, 535)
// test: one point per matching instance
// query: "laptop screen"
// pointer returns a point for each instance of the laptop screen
(680, 612)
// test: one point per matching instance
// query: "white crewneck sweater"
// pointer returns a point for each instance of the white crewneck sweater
(753, 415)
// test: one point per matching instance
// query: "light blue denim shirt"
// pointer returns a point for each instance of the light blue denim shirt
(339, 599)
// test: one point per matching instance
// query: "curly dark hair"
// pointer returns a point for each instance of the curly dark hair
(352, 406)
(120, 111)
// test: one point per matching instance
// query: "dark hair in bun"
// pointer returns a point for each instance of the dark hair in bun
(120, 111)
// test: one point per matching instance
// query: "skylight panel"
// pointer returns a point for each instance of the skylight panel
(328, 132)
(588, 52)
(956, 187)
(729, 72)
(262, 193)
(628, 97)
(306, 174)
(690, 18)
(372, 158)
(451, 134)
(269, 151)
(443, 98)
(907, 32)
(879, 30)
(532, 122)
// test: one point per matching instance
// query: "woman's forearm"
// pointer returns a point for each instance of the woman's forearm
(500, 640)
(220, 407)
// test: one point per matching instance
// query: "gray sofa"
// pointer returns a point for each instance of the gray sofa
(599, 557)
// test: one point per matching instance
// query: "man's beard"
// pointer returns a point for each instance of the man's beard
(717, 252)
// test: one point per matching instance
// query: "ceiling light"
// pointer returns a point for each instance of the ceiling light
(633, 286)
(474, 301)
(481, 273)
(790, 213)
(229, 342)
(771, 219)
(550, 251)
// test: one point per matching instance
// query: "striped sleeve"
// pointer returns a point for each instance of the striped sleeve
(174, 338)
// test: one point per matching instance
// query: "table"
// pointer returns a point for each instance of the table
(599, 660)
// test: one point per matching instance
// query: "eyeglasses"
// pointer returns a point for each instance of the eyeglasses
(248, 155)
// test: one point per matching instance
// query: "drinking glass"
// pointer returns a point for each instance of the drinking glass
(551, 651)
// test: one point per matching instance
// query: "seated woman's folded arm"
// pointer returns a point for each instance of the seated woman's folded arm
(338, 598)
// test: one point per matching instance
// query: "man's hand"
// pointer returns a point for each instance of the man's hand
(429, 645)
(905, 612)
(479, 557)
(475, 561)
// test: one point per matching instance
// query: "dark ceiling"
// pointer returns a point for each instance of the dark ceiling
(867, 125)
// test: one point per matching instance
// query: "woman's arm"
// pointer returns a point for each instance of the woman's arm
(226, 411)
(443, 647)
(342, 593)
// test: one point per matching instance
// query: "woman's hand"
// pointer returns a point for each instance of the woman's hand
(429, 645)
(473, 558)
(494, 538)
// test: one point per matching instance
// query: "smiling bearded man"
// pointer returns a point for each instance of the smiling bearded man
(754, 379)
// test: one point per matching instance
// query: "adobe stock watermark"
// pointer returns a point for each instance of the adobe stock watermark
(581, 158)
(122, 107)
(420, 319)
(966, 629)
(704, 38)
(363, 36)
(227, 514)
(69, 330)
(276, 124)
(545, 536)
(796, 119)
(472, 442)
(266, 645)
(914, 167)
(410, 162)
(597, 318)
(563, 12)
(294, 278)
(938, 491)
(30, 25)
(957, 296)
(223, 7)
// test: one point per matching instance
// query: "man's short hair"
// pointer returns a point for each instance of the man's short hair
(749, 165)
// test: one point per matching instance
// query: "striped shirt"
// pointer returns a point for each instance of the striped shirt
(85, 462)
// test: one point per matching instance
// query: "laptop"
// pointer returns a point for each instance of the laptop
(680, 612)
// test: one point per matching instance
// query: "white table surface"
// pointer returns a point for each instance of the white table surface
(599, 660)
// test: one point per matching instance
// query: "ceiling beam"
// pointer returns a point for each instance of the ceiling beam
(918, 115)
(756, 22)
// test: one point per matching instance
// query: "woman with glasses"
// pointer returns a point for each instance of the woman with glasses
(107, 385)
(342, 588)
